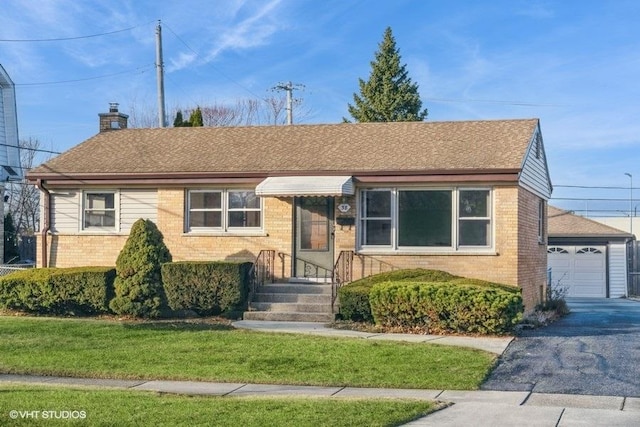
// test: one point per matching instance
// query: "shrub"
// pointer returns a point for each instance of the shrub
(354, 297)
(446, 307)
(206, 287)
(138, 284)
(67, 291)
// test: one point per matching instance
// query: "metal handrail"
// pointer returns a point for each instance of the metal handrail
(342, 273)
(262, 270)
(310, 269)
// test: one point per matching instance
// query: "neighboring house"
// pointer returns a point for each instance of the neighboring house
(467, 197)
(10, 167)
(586, 257)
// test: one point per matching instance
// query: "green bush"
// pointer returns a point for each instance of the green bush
(138, 284)
(66, 291)
(446, 307)
(354, 297)
(206, 287)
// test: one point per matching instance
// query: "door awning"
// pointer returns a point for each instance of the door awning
(289, 186)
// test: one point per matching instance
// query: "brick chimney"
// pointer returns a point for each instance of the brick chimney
(113, 120)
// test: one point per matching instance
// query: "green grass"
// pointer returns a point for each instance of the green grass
(135, 408)
(212, 352)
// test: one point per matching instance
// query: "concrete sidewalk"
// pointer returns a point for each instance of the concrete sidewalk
(495, 345)
(469, 408)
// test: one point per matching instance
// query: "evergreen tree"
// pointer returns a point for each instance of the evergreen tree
(388, 95)
(11, 252)
(138, 283)
(196, 118)
(178, 121)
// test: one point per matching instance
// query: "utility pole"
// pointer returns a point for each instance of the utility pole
(160, 76)
(289, 88)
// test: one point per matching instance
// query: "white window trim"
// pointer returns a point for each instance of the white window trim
(455, 247)
(224, 228)
(96, 229)
(541, 221)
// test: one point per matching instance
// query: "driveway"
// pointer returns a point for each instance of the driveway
(595, 350)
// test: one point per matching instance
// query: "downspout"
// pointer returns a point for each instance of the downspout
(46, 222)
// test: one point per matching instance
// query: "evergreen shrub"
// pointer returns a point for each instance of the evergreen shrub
(62, 291)
(206, 287)
(138, 283)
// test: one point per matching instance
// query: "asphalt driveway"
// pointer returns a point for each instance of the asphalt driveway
(595, 350)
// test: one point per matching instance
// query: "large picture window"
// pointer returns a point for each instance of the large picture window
(420, 218)
(99, 210)
(223, 210)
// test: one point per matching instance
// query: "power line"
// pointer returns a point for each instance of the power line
(591, 187)
(212, 66)
(31, 149)
(494, 101)
(58, 39)
(139, 69)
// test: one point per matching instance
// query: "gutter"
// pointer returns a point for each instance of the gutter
(46, 222)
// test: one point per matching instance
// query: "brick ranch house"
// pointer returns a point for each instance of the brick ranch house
(467, 197)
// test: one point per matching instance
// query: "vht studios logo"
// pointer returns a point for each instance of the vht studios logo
(48, 415)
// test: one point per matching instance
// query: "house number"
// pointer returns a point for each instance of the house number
(344, 207)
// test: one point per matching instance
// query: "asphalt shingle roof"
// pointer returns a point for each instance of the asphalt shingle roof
(563, 223)
(357, 147)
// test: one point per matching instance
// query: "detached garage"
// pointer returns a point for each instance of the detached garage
(586, 257)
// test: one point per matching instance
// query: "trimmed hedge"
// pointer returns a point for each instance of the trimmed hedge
(65, 291)
(446, 307)
(354, 297)
(206, 287)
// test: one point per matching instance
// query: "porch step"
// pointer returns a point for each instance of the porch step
(288, 317)
(300, 302)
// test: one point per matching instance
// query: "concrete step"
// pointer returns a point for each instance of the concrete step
(288, 317)
(290, 307)
(294, 288)
(295, 298)
(320, 280)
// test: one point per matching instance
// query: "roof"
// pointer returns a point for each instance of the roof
(565, 224)
(338, 149)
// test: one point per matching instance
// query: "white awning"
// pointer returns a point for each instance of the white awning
(289, 186)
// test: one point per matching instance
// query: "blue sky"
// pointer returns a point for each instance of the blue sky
(575, 64)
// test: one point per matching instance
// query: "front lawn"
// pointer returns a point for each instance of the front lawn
(215, 352)
(58, 406)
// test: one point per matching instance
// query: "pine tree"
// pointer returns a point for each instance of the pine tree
(11, 252)
(196, 118)
(178, 121)
(138, 283)
(388, 95)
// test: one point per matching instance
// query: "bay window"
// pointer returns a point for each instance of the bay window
(425, 219)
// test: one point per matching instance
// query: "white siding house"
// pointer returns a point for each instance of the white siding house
(10, 168)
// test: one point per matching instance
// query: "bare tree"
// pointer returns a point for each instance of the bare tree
(23, 199)
(245, 112)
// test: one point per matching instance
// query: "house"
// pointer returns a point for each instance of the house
(10, 166)
(587, 258)
(334, 200)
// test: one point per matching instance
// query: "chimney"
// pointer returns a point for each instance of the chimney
(113, 120)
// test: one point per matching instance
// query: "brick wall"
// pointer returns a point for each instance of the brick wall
(518, 258)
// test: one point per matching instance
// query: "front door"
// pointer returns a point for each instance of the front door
(313, 237)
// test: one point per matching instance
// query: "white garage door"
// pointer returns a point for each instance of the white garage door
(580, 269)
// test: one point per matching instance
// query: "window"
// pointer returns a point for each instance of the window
(408, 218)
(99, 210)
(223, 210)
(589, 251)
(541, 221)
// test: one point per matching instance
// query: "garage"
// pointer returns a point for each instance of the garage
(581, 270)
(585, 257)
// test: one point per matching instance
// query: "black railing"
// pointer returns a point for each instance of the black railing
(263, 270)
(310, 270)
(342, 273)
(370, 265)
